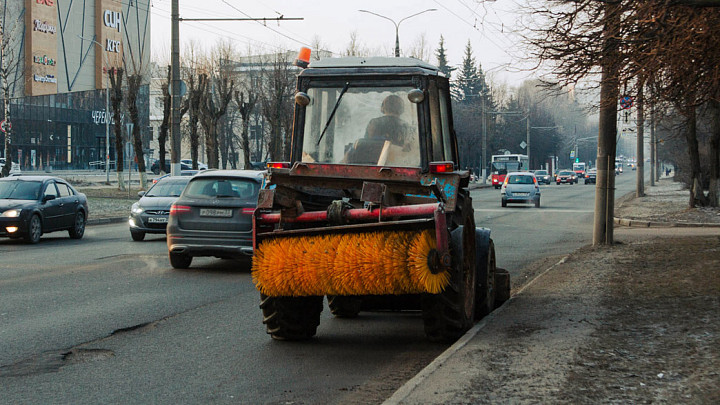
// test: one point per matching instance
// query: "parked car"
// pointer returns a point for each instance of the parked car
(150, 214)
(31, 206)
(155, 167)
(520, 187)
(14, 170)
(213, 216)
(201, 165)
(542, 176)
(591, 176)
(566, 176)
(182, 173)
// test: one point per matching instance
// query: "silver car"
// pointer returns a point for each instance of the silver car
(150, 214)
(520, 187)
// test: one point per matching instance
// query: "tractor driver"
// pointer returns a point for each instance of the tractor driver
(389, 126)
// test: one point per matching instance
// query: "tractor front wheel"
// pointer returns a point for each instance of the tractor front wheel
(344, 306)
(291, 318)
(449, 314)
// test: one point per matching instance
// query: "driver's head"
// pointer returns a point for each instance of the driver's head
(392, 105)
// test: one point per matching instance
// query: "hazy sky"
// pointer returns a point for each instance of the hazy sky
(486, 24)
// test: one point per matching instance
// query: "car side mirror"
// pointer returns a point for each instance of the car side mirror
(47, 198)
(141, 193)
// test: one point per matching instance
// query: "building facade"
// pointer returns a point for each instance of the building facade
(56, 55)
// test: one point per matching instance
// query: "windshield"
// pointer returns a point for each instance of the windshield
(167, 188)
(566, 173)
(505, 167)
(371, 126)
(541, 173)
(20, 190)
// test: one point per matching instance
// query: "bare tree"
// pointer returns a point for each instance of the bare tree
(10, 62)
(277, 86)
(116, 78)
(245, 101)
(165, 125)
(217, 96)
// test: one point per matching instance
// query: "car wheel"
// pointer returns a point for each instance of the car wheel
(34, 230)
(537, 203)
(503, 203)
(137, 236)
(180, 260)
(78, 229)
(156, 170)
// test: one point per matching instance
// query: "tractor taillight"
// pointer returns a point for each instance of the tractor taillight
(441, 167)
(278, 165)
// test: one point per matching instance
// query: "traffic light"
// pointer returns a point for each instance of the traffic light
(577, 160)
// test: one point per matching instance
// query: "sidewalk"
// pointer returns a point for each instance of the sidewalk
(635, 322)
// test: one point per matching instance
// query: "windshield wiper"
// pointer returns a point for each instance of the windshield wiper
(332, 114)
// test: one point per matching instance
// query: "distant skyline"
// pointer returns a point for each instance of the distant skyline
(487, 25)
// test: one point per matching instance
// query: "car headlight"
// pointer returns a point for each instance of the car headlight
(11, 213)
(136, 209)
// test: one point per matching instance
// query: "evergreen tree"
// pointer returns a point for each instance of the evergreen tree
(470, 85)
(442, 59)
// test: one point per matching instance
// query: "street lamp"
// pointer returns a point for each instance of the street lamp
(107, 110)
(397, 26)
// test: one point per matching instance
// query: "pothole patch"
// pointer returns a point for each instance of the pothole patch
(52, 362)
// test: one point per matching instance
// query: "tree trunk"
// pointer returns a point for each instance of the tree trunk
(165, 126)
(697, 196)
(605, 190)
(714, 194)
(116, 77)
(640, 153)
(134, 83)
(653, 140)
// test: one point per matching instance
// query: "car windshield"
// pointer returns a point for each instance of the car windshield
(371, 126)
(541, 173)
(521, 179)
(208, 187)
(167, 188)
(20, 190)
(505, 167)
(566, 173)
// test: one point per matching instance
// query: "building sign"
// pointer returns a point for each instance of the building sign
(41, 47)
(108, 31)
(43, 26)
(101, 117)
(44, 60)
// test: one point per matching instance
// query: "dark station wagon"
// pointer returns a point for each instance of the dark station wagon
(213, 216)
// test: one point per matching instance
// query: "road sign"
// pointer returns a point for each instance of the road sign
(572, 154)
(5, 126)
(626, 102)
(523, 144)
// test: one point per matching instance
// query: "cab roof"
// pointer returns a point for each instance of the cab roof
(370, 65)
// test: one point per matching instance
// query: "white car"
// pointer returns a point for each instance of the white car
(201, 165)
(15, 170)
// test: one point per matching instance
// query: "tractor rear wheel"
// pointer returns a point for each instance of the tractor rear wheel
(451, 313)
(344, 306)
(486, 269)
(291, 318)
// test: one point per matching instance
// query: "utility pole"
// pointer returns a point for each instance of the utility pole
(527, 130)
(640, 153)
(652, 146)
(175, 98)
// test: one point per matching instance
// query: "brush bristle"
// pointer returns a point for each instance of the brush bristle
(377, 263)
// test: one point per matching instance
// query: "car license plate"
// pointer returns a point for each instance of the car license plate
(522, 194)
(215, 212)
(157, 220)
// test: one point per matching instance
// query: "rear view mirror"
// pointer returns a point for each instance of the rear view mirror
(416, 96)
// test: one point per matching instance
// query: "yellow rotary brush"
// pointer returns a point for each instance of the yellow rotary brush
(375, 263)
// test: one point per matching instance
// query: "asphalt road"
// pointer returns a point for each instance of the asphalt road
(105, 319)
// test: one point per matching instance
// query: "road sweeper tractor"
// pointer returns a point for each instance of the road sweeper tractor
(372, 209)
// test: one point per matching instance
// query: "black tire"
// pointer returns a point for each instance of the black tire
(537, 203)
(497, 187)
(156, 170)
(180, 260)
(137, 236)
(78, 229)
(486, 268)
(448, 315)
(503, 203)
(344, 306)
(291, 318)
(34, 231)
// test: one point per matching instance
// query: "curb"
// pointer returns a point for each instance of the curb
(105, 221)
(635, 223)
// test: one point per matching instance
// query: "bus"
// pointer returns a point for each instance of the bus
(500, 165)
